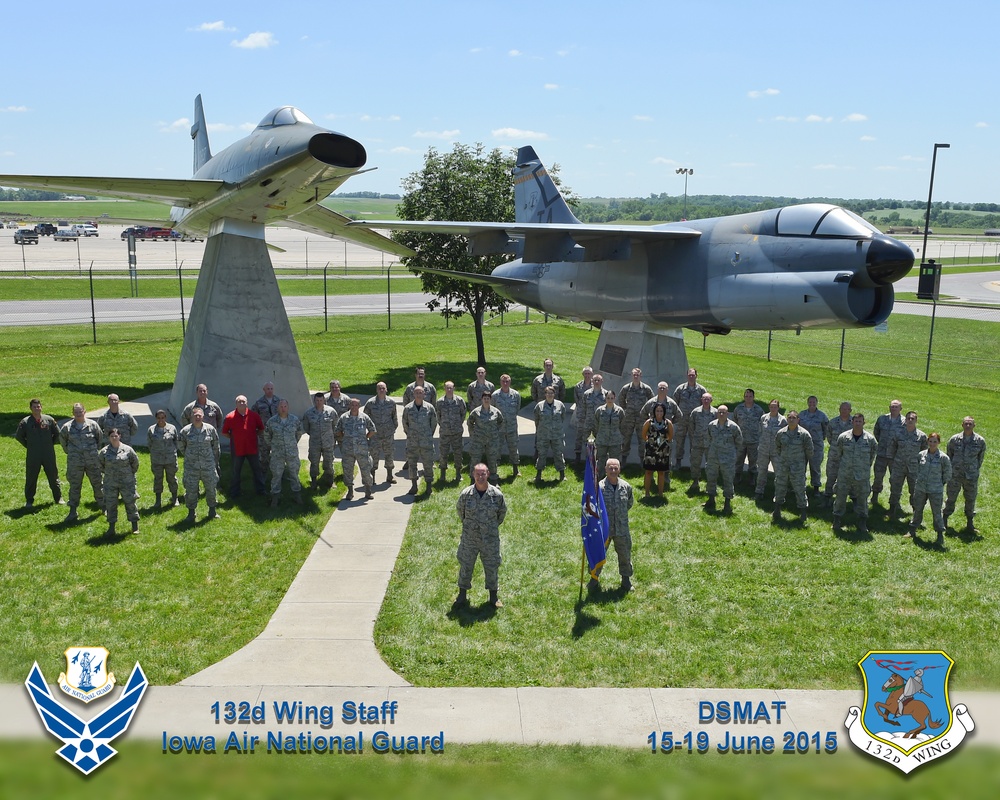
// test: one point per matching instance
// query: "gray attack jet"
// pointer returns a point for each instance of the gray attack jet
(803, 266)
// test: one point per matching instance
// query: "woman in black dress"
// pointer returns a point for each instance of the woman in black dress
(657, 433)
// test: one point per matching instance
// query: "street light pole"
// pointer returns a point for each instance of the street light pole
(923, 258)
(685, 171)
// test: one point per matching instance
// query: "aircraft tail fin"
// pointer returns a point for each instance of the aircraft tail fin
(199, 132)
(536, 196)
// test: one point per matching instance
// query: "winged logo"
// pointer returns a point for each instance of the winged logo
(86, 744)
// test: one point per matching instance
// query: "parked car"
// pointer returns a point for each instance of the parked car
(184, 237)
(66, 235)
(86, 230)
(156, 233)
(45, 229)
(135, 230)
(25, 236)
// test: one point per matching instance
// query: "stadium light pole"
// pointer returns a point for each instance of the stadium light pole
(685, 171)
(923, 255)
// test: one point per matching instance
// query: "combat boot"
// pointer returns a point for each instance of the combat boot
(174, 501)
(944, 518)
(190, 517)
(462, 598)
(803, 515)
(911, 532)
(350, 492)
(727, 507)
(970, 526)
(562, 475)
(516, 473)
(695, 487)
(157, 504)
(296, 498)
(710, 505)
(135, 526)
(895, 511)
(111, 529)
(776, 514)
(838, 523)
(626, 584)
(72, 516)
(758, 497)
(389, 479)
(538, 476)
(368, 492)
(212, 513)
(874, 499)
(940, 540)
(413, 488)
(274, 500)
(863, 525)
(495, 601)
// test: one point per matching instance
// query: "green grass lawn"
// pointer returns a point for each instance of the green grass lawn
(73, 287)
(727, 602)
(491, 772)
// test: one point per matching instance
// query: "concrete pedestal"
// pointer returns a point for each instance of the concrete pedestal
(238, 336)
(622, 346)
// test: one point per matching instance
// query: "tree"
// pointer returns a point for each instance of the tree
(466, 185)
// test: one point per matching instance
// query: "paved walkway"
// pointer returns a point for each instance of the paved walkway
(317, 651)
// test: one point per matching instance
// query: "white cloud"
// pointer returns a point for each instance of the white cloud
(370, 118)
(642, 118)
(662, 160)
(888, 168)
(15, 109)
(218, 25)
(982, 125)
(551, 86)
(826, 166)
(868, 138)
(912, 158)
(247, 126)
(753, 94)
(786, 119)
(519, 133)
(448, 135)
(256, 41)
(514, 53)
(183, 124)
(403, 150)
(818, 118)
(220, 127)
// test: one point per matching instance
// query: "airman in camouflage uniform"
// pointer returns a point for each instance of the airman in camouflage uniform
(485, 425)
(793, 449)
(550, 433)
(508, 402)
(688, 398)
(161, 438)
(608, 430)
(618, 499)
(283, 433)
(593, 399)
(478, 388)
(838, 425)
(697, 429)
(818, 425)
(114, 417)
(419, 423)
(481, 508)
(856, 450)
(747, 415)
(430, 392)
(770, 424)
(580, 422)
(354, 430)
(547, 378)
(266, 407)
(886, 428)
(119, 463)
(199, 444)
(381, 409)
(451, 412)
(318, 422)
(336, 399)
(632, 398)
(725, 440)
(80, 438)
(662, 396)
(933, 472)
(211, 411)
(904, 458)
(966, 451)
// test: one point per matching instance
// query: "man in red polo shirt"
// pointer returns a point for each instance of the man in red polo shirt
(240, 428)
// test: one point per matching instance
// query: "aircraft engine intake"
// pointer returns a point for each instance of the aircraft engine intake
(337, 150)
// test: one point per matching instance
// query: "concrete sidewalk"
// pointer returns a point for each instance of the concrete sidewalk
(317, 654)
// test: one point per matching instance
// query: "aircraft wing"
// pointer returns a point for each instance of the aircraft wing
(545, 241)
(176, 192)
(323, 221)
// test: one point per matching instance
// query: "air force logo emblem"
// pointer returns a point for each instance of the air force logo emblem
(86, 745)
(907, 719)
(86, 677)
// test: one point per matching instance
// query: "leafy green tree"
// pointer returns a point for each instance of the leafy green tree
(468, 184)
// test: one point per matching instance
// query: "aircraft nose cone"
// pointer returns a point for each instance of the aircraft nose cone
(888, 260)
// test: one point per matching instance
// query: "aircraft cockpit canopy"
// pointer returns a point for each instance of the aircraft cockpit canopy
(286, 115)
(822, 219)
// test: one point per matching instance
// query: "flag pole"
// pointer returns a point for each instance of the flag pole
(583, 566)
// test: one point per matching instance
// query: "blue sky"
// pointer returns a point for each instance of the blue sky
(837, 99)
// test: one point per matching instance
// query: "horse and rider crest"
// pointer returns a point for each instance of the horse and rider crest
(907, 718)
